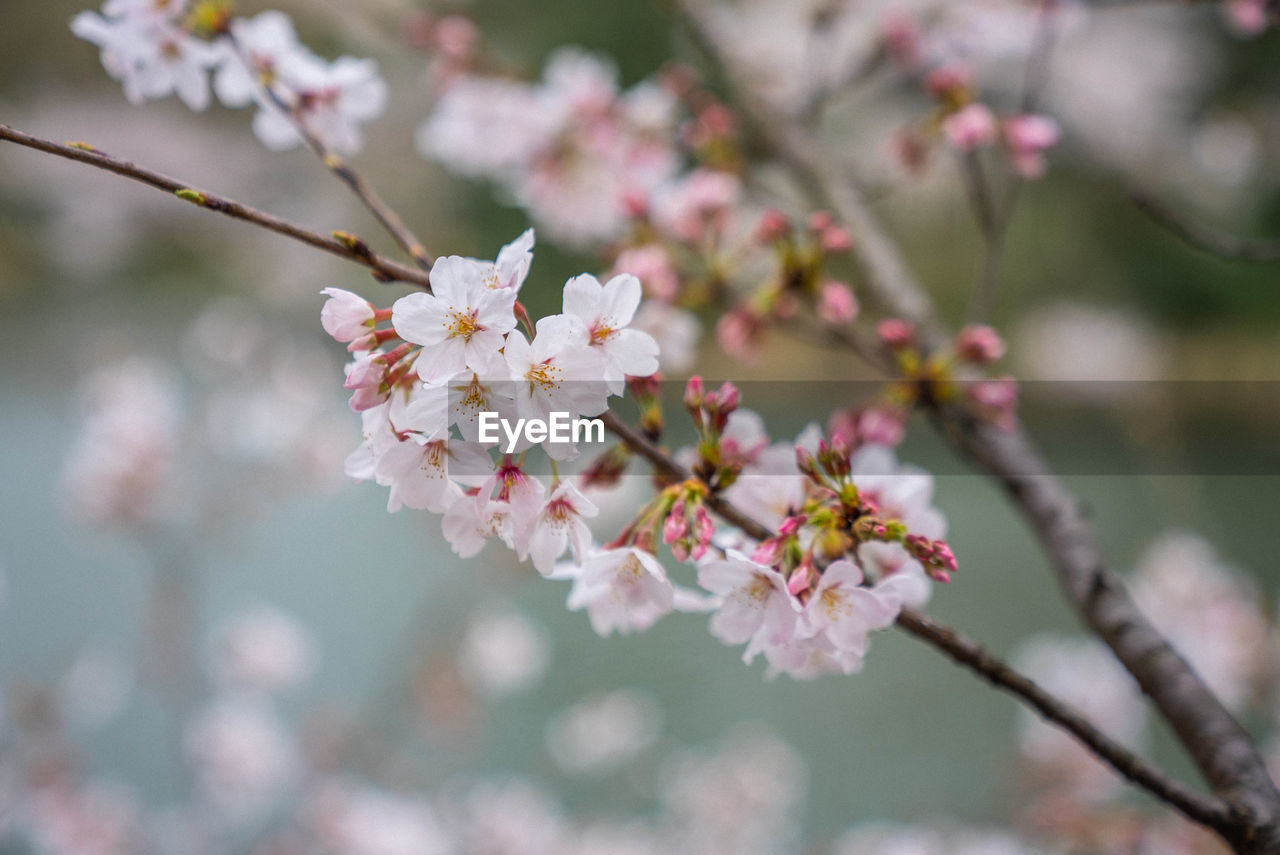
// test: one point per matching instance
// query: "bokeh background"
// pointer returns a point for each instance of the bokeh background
(424, 672)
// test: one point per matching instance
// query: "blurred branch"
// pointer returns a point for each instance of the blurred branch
(1223, 751)
(364, 191)
(346, 246)
(1204, 238)
(1204, 809)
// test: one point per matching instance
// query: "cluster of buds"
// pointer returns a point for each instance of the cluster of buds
(710, 411)
(936, 556)
(375, 373)
(687, 527)
(968, 125)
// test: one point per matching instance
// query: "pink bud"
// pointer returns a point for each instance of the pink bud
(948, 81)
(895, 334)
(836, 239)
(345, 315)
(900, 34)
(979, 344)
(1027, 138)
(717, 120)
(693, 393)
(773, 225)
(970, 127)
(738, 332)
(368, 370)
(455, 36)
(881, 426)
(836, 303)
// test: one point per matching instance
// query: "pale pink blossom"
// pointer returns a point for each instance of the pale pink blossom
(624, 590)
(652, 265)
(460, 325)
(606, 311)
(330, 99)
(970, 127)
(264, 648)
(346, 316)
(756, 607)
(144, 47)
(699, 202)
(1027, 138)
(561, 524)
(836, 303)
(558, 372)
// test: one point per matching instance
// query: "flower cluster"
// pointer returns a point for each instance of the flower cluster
(160, 47)
(422, 382)
(573, 148)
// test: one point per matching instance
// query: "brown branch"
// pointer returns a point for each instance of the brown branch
(1204, 238)
(350, 248)
(1201, 808)
(382, 212)
(1221, 749)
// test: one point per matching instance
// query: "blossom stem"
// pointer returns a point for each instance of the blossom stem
(382, 212)
(383, 269)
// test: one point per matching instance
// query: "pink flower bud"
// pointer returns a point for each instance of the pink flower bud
(970, 127)
(455, 37)
(979, 344)
(738, 332)
(836, 239)
(675, 526)
(1027, 138)
(948, 81)
(895, 334)
(345, 315)
(773, 226)
(881, 426)
(820, 221)
(836, 303)
(694, 394)
(900, 34)
(368, 370)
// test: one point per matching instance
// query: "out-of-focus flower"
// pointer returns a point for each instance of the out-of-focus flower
(1086, 675)
(970, 127)
(1027, 138)
(244, 759)
(885, 839)
(503, 653)
(1209, 612)
(350, 818)
(508, 817)
(145, 48)
(263, 648)
(744, 798)
(675, 330)
(603, 733)
(122, 468)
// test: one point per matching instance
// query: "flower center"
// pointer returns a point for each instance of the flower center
(602, 332)
(545, 375)
(462, 323)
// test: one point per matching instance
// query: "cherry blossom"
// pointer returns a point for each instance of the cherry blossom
(560, 524)
(346, 316)
(756, 608)
(558, 372)
(606, 311)
(144, 47)
(622, 590)
(460, 324)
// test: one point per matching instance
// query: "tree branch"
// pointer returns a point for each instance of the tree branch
(348, 247)
(1196, 806)
(369, 197)
(1204, 238)
(1221, 749)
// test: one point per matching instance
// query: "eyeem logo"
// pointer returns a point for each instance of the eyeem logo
(561, 427)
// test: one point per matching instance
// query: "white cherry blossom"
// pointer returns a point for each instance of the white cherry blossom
(460, 324)
(606, 311)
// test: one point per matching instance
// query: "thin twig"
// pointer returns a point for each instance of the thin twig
(350, 248)
(382, 212)
(993, 223)
(1204, 238)
(1204, 809)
